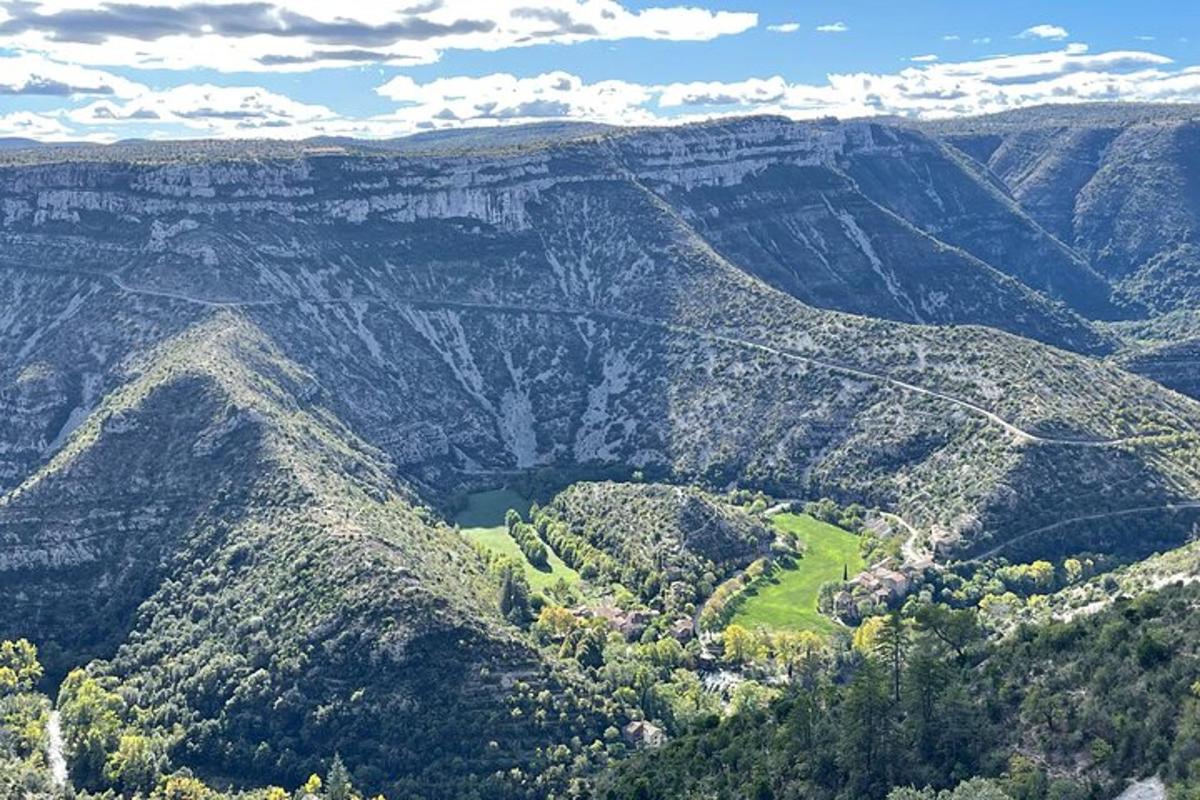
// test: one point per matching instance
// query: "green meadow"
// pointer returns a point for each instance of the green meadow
(482, 521)
(788, 599)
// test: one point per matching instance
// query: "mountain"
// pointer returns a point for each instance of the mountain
(210, 484)
(468, 139)
(888, 223)
(243, 385)
(17, 143)
(531, 322)
(1096, 176)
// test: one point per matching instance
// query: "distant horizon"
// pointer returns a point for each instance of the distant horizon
(75, 70)
(481, 129)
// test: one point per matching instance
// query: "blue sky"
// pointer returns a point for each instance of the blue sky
(289, 68)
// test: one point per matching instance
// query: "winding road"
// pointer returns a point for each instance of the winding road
(909, 549)
(1124, 512)
(1021, 435)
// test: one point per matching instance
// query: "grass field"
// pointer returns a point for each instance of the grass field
(483, 521)
(788, 601)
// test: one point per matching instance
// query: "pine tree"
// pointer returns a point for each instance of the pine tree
(865, 731)
(514, 594)
(338, 780)
(891, 647)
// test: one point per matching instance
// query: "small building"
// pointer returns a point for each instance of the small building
(843, 606)
(682, 630)
(896, 583)
(630, 624)
(641, 733)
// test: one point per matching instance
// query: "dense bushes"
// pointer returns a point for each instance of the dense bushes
(1063, 711)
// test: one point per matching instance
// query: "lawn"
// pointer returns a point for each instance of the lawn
(483, 521)
(789, 600)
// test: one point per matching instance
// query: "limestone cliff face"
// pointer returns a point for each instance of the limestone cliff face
(855, 217)
(595, 302)
(1120, 185)
(230, 381)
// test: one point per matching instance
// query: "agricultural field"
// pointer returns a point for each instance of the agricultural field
(788, 599)
(482, 521)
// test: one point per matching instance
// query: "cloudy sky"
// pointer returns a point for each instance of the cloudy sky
(74, 69)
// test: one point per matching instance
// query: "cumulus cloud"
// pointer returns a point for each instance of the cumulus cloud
(255, 35)
(34, 75)
(926, 89)
(208, 111)
(784, 27)
(28, 125)
(754, 92)
(502, 98)
(928, 57)
(1044, 31)
(833, 27)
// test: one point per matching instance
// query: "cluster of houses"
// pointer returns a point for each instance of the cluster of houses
(633, 623)
(881, 585)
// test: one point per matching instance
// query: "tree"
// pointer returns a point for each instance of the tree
(338, 780)
(183, 787)
(791, 648)
(312, 786)
(891, 645)
(867, 635)
(590, 650)
(957, 629)
(926, 677)
(92, 718)
(740, 644)
(511, 519)
(514, 593)
(136, 764)
(19, 667)
(865, 731)
(555, 622)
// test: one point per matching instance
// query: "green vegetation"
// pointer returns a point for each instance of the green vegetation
(669, 545)
(1056, 712)
(786, 599)
(484, 522)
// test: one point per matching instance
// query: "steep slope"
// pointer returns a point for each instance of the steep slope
(546, 309)
(872, 220)
(210, 517)
(1119, 184)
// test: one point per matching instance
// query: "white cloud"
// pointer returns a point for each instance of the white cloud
(28, 125)
(927, 89)
(785, 27)
(29, 75)
(924, 59)
(752, 92)
(297, 35)
(501, 98)
(1044, 31)
(208, 111)
(950, 37)
(1144, 38)
(833, 27)
(982, 40)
